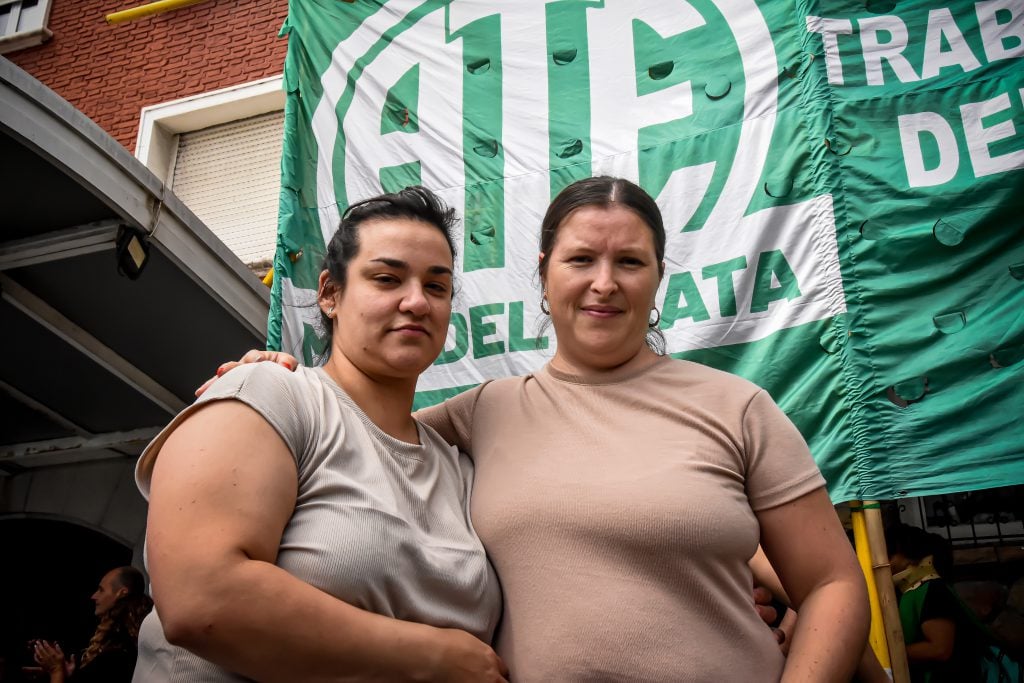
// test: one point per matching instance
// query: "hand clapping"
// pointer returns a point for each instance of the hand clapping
(51, 658)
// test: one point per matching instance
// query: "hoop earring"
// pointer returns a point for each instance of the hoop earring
(657, 318)
(544, 309)
(330, 312)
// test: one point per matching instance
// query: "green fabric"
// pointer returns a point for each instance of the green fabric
(994, 665)
(911, 604)
(906, 378)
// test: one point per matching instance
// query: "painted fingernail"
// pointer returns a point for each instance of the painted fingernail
(221, 370)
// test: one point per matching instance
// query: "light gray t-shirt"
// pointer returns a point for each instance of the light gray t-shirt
(379, 523)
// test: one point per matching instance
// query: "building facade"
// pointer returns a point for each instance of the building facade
(194, 92)
(195, 95)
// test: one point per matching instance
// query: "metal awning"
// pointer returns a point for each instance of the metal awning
(92, 362)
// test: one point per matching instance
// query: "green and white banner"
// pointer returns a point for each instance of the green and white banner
(842, 183)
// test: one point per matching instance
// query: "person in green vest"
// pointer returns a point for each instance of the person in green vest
(945, 642)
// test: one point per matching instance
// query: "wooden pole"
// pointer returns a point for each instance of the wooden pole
(886, 592)
(876, 637)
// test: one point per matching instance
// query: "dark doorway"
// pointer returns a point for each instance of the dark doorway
(48, 571)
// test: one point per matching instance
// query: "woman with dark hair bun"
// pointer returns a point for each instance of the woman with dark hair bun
(621, 493)
(302, 525)
(121, 605)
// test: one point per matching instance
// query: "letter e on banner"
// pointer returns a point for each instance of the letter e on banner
(980, 136)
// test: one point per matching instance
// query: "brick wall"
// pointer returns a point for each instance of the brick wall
(111, 72)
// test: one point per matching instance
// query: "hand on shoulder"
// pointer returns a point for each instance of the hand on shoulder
(252, 356)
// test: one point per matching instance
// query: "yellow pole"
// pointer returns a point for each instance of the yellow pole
(886, 591)
(149, 10)
(876, 637)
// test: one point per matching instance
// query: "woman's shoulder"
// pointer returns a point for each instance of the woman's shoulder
(287, 400)
(276, 392)
(692, 372)
(282, 396)
(485, 391)
(263, 378)
(436, 446)
(453, 418)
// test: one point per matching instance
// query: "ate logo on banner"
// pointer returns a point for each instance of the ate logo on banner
(464, 94)
(498, 106)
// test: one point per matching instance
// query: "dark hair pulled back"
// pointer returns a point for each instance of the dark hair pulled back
(603, 191)
(414, 203)
(118, 628)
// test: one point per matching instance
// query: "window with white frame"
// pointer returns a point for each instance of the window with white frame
(230, 176)
(220, 153)
(23, 23)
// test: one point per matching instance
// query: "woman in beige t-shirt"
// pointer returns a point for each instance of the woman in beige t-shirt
(620, 493)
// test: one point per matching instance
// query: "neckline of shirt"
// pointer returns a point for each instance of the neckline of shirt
(616, 376)
(397, 446)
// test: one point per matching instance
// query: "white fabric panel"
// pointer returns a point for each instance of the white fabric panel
(230, 176)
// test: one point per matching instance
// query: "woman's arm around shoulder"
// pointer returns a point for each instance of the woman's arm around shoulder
(453, 418)
(222, 492)
(809, 551)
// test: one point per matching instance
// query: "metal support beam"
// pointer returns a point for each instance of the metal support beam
(57, 132)
(37, 309)
(10, 469)
(50, 413)
(59, 244)
(111, 440)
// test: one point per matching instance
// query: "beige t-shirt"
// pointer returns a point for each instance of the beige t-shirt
(379, 523)
(620, 517)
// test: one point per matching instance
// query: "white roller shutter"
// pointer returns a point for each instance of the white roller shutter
(230, 176)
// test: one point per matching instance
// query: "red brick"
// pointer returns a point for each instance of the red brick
(111, 72)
